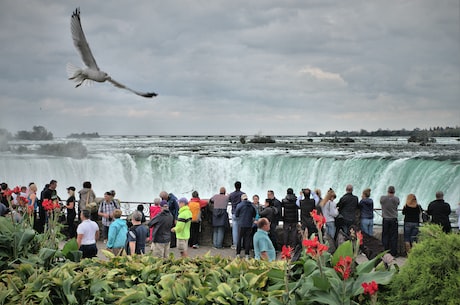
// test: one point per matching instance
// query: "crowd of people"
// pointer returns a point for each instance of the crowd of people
(177, 222)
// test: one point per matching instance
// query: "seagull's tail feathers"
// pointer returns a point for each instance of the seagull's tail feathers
(119, 85)
(76, 74)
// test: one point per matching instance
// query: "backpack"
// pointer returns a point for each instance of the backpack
(133, 234)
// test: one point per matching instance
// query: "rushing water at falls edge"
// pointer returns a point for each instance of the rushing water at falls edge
(138, 168)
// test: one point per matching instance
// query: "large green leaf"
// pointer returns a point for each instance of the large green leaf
(6, 225)
(71, 245)
(380, 277)
(344, 250)
(22, 239)
(74, 256)
(321, 282)
(46, 254)
(368, 266)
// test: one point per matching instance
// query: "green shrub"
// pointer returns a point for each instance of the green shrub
(430, 274)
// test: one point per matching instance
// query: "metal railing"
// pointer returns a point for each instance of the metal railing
(126, 208)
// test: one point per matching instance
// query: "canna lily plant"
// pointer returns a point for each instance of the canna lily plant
(336, 279)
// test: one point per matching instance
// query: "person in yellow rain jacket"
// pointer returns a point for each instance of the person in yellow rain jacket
(182, 228)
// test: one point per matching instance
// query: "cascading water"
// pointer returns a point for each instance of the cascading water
(138, 168)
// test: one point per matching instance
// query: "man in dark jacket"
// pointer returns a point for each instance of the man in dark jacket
(161, 234)
(235, 198)
(440, 211)
(173, 207)
(307, 205)
(290, 218)
(274, 202)
(270, 213)
(245, 212)
(348, 205)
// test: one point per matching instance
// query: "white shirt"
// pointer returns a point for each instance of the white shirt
(88, 229)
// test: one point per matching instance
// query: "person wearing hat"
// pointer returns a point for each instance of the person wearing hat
(182, 228)
(70, 206)
(137, 235)
(161, 225)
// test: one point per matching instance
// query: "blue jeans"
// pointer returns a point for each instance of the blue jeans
(367, 225)
(410, 232)
(218, 236)
(235, 230)
(330, 228)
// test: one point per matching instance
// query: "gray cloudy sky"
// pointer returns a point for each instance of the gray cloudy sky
(233, 67)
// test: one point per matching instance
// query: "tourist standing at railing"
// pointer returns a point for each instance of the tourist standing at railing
(411, 212)
(87, 196)
(307, 205)
(330, 211)
(235, 199)
(87, 235)
(219, 203)
(245, 212)
(154, 210)
(70, 206)
(348, 206)
(182, 228)
(195, 204)
(269, 212)
(290, 218)
(106, 209)
(174, 210)
(366, 206)
(137, 235)
(389, 204)
(117, 234)
(161, 224)
(140, 208)
(263, 246)
(440, 211)
(274, 202)
(34, 202)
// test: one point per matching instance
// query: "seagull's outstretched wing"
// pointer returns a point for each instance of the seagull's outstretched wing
(79, 40)
(118, 85)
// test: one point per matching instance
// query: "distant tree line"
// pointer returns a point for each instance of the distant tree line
(83, 135)
(432, 132)
(38, 133)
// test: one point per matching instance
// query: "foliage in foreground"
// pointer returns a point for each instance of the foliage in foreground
(144, 280)
(316, 278)
(430, 274)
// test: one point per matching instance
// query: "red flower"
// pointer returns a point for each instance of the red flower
(23, 200)
(359, 235)
(320, 220)
(370, 288)
(48, 205)
(286, 252)
(314, 248)
(17, 190)
(8, 192)
(343, 267)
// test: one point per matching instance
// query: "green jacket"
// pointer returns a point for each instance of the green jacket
(184, 220)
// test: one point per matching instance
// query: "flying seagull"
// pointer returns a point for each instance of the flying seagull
(92, 71)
